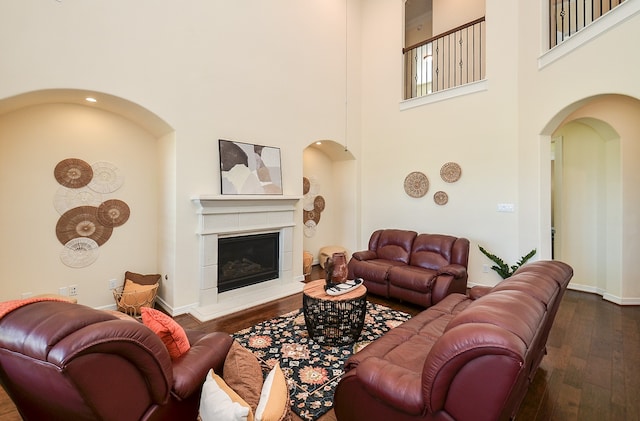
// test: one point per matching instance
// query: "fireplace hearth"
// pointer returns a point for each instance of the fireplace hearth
(247, 260)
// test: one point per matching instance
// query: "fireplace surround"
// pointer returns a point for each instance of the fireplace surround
(223, 217)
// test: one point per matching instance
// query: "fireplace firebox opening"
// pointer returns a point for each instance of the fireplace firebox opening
(247, 260)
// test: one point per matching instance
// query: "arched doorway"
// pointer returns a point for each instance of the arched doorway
(594, 200)
(586, 204)
(329, 202)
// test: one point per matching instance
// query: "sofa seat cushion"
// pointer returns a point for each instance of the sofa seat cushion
(412, 278)
(407, 345)
(374, 270)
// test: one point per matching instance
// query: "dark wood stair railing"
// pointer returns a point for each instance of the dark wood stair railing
(452, 58)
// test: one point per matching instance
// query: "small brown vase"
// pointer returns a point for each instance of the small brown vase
(340, 269)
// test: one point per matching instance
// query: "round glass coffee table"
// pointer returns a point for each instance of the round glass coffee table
(333, 320)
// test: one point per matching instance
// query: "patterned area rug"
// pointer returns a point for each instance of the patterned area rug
(312, 370)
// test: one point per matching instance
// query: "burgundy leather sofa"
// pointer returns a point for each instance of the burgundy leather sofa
(63, 361)
(418, 268)
(465, 358)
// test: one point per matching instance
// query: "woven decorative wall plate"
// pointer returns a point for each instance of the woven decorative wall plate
(416, 184)
(450, 172)
(318, 203)
(306, 185)
(73, 173)
(113, 213)
(79, 252)
(309, 228)
(441, 198)
(82, 222)
(66, 198)
(106, 178)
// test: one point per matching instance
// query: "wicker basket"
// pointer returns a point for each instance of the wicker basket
(130, 302)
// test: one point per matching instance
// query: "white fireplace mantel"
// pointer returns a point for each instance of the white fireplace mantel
(224, 216)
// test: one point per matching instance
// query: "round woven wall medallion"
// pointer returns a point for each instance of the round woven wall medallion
(66, 198)
(450, 172)
(318, 203)
(73, 173)
(82, 222)
(306, 185)
(441, 198)
(113, 213)
(106, 178)
(309, 228)
(416, 184)
(312, 215)
(79, 252)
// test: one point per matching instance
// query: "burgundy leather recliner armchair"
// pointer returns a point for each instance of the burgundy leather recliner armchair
(64, 361)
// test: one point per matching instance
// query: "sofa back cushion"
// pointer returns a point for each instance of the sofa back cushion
(392, 244)
(433, 251)
(514, 311)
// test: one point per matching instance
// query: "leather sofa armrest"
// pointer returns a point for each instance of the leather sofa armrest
(190, 370)
(394, 385)
(364, 255)
(457, 271)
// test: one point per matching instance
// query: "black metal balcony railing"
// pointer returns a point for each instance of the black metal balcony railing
(569, 16)
(453, 58)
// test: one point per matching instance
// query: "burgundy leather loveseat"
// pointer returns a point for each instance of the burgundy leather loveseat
(418, 268)
(63, 361)
(463, 359)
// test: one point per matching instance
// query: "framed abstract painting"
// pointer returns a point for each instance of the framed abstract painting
(246, 168)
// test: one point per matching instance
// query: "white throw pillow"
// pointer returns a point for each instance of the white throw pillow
(216, 404)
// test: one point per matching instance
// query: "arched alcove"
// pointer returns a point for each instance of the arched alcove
(103, 101)
(40, 129)
(329, 202)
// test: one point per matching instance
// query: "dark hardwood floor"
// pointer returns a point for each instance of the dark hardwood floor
(591, 371)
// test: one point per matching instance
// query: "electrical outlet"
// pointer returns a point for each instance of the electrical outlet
(73, 290)
(506, 207)
(113, 283)
(26, 294)
(63, 291)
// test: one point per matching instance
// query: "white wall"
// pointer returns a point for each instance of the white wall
(477, 131)
(267, 73)
(277, 73)
(449, 14)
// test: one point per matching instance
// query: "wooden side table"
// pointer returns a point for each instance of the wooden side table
(333, 320)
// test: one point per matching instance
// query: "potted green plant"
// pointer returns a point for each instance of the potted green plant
(503, 269)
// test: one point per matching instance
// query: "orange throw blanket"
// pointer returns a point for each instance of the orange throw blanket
(8, 306)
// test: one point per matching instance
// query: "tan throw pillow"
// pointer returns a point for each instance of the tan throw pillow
(242, 372)
(219, 402)
(274, 400)
(135, 296)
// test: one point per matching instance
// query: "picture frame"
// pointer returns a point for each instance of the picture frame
(249, 169)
